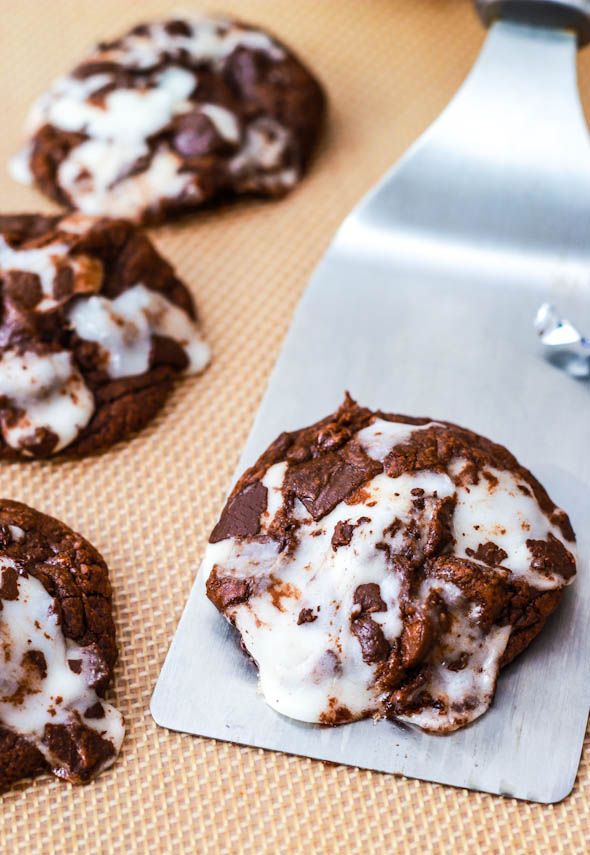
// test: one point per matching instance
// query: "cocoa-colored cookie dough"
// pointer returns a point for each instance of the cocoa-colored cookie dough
(387, 566)
(95, 327)
(57, 651)
(172, 115)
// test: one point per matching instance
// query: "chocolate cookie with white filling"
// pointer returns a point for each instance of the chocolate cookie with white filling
(95, 327)
(58, 651)
(172, 115)
(388, 566)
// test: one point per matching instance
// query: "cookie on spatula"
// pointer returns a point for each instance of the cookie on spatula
(387, 566)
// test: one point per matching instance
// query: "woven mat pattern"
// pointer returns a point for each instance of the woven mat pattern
(389, 66)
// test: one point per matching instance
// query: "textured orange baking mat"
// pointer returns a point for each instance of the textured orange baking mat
(389, 66)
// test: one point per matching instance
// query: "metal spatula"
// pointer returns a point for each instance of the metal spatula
(425, 304)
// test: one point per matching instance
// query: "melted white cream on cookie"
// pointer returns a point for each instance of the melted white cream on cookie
(124, 327)
(45, 391)
(466, 692)
(100, 174)
(42, 262)
(296, 608)
(380, 437)
(303, 666)
(94, 172)
(37, 684)
(501, 509)
(46, 262)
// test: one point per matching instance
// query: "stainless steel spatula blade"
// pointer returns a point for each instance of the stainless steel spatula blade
(424, 304)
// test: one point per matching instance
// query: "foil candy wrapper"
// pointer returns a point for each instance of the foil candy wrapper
(564, 344)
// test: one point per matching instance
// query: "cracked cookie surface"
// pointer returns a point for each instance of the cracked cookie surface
(58, 651)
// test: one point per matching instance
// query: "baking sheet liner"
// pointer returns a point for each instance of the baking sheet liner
(390, 66)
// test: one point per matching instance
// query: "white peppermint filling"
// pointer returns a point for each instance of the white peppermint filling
(16, 532)
(96, 173)
(466, 692)
(123, 328)
(297, 678)
(309, 669)
(28, 701)
(380, 437)
(49, 392)
(502, 514)
(91, 176)
(225, 122)
(273, 481)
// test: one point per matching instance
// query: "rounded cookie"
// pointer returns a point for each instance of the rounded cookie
(172, 115)
(58, 651)
(95, 327)
(387, 566)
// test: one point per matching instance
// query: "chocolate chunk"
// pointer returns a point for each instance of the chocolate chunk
(79, 750)
(408, 698)
(343, 532)
(226, 591)
(374, 645)
(96, 711)
(560, 519)
(8, 584)
(488, 588)
(368, 597)
(490, 553)
(306, 616)
(342, 536)
(417, 638)
(197, 136)
(64, 282)
(241, 515)
(322, 483)
(440, 529)
(550, 557)
(23, 288)
(333, 436)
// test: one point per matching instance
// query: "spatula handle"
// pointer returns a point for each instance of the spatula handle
(565, 14)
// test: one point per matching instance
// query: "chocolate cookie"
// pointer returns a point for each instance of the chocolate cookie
(170, 116)
(58, 651)
(387, 566)
(95, 327)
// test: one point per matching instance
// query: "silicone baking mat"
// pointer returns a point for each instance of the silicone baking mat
(389, 66)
